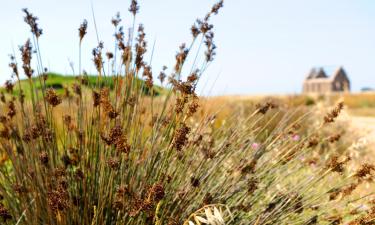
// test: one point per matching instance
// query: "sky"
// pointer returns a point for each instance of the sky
(264, 47)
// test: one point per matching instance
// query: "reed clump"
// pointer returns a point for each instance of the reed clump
(119, 154)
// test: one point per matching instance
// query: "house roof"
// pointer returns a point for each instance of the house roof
(319, 74)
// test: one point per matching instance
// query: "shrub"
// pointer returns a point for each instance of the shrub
(102, 155)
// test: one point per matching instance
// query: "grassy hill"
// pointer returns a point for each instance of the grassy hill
(59, 82)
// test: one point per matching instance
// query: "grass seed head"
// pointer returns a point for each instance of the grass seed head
(82, 30)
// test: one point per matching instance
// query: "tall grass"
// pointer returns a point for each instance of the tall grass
(102, 154)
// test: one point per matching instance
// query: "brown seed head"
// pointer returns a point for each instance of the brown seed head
(334, 138)
(9, 86)
(11, 109)
(26, 52)
(4, 213)
(43, 158)
(331, 116)
(215, 9)
(116, 20)
(32, 22)
(52, 98)
(365, 170)
(162, 75)
(156, 192)
(109, 55)
(13, 66)
(82, 30)
(181, 137)
(134, 8)
(194, 182)
(98, 59)
(335, 165)
(263, 108)
(114, 163)
(2, 97)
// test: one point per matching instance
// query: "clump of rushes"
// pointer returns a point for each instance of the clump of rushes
(116, 153)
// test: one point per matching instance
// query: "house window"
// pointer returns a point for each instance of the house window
(338, 86)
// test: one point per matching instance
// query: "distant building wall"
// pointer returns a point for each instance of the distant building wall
(317, 82)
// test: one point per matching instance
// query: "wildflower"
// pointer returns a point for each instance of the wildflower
(82, 30)
(32, 22)
(295, 137)
(52, 98)
(255, 146)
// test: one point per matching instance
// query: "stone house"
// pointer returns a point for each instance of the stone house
(319, 82)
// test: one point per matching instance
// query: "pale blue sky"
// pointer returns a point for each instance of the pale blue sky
(264, 46)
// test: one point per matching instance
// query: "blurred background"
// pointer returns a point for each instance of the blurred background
(264, 47)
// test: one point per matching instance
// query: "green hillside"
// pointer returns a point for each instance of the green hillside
(59, 82)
